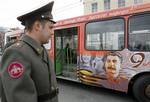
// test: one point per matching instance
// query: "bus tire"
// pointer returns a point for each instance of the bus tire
(141, 89)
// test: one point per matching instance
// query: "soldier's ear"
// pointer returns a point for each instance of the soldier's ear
(37, 26)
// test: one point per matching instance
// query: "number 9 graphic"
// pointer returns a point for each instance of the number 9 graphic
(137, 59)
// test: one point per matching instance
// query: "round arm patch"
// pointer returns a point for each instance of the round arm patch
(15, 69)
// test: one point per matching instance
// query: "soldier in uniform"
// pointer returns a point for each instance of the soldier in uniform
(27, 74)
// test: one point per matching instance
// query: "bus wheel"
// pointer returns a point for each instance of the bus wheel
(141, 89)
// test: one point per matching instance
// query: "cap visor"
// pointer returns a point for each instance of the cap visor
(52, 21)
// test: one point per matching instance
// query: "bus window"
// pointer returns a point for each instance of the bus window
(105, 35)
(139, 33)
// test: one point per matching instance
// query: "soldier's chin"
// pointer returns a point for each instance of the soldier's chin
(45, 42)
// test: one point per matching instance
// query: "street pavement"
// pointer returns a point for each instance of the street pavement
(77, 92)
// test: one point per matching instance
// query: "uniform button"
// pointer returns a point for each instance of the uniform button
(38, 50)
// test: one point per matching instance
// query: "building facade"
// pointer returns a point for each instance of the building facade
(91, 6)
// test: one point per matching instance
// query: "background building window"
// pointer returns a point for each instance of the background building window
(121, 3)
(94, 7)
(106, 4)
(138, 1)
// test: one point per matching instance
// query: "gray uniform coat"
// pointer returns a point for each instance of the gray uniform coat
(27, 74)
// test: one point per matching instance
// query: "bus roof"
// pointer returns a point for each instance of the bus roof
(15, 32)
(105, 14)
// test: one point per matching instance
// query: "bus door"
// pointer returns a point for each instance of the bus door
(58, 52)
(66, 52)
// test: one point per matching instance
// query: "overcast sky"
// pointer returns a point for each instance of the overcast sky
(10, 9)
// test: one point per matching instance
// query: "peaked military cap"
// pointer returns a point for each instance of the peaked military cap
(43, 12)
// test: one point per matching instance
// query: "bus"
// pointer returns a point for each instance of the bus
(109, 49)
(12, 36)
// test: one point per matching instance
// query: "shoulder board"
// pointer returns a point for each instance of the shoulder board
(18, 44)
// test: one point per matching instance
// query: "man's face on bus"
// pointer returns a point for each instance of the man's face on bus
(112, 66)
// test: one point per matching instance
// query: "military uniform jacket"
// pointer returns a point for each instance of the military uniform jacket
(27, 73)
